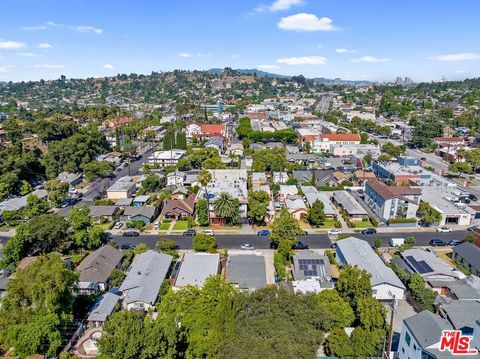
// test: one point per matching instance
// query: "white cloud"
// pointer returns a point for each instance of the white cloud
(371, 59)
(278, 5)
(34, 28)
(235, 56)
(303, 60)
(88, 29)
(267, 67)
(7, 45)
(29, 54)
(306, 22)
(45, 45)
(108, 67)
(345, 51)
(185, 54)
(456, 57)
(48, 66)
(208, 54)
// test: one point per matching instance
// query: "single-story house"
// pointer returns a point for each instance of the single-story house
(71, 179)
(146, 214)
(102, 309)
(312, 194)
(386, 285)
(259, 178)
(429, 266)
(121, 189)
(96, 268)
(311, 272)
(469, 255)
(178, 208)
(296, 207)
(144, 279)
(247, 271)
(349, 204)
(280, 177)
(141, 200)
(98, 212)
(195, 268)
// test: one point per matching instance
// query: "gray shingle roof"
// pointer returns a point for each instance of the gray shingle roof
(349, 203)
(358, 252)
(145, 277)
(426, 327)
(146, 211)
(103, 307)
(248, 271)
(99, 264)
(461, 313)
(470, 253)
(99, 211)
(196, 267)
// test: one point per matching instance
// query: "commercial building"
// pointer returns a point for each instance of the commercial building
(386, 286)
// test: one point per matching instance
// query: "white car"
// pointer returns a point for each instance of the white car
(247, 247)
(207, 232)
(334, 232)
(118, 225)
(156, 225)
(444, 229)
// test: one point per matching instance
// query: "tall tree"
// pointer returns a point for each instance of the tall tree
(204, 178)
(354, 284)
(316, 214)
(57, 191)
(226, 206)
(285, 227)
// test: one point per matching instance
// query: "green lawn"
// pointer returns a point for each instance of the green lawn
(362, 224)
(329, 223)
(164, 226)
(181, 225)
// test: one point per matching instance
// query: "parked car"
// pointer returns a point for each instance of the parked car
(454, 242)
(157, 225)
(300, 245)
(472, 197)
(396, 242)
(130, 234)
(190, 233)
(247, 247)
(207, 232)
(444, 229)
(334, 232)
(118, 225)
(423, 159)
(472, 228)
(273, 245)
(263, 232)
(127, 246)
(333, 245)
(438, 243)
(369, 231)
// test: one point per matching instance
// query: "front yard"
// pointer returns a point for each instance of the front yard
(180, 226)
(362, 224)
(164, 226)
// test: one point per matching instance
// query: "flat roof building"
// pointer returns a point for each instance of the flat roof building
(195, 268)
(247, 271)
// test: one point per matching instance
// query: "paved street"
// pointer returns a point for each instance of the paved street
(314, 241)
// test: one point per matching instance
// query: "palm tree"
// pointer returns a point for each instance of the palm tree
(204, 177)
(226, 206)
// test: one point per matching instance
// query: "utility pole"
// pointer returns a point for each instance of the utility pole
(390, 331)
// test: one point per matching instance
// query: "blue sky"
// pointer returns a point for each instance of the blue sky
(351, 39)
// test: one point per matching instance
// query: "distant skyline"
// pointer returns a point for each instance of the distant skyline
(374, 40)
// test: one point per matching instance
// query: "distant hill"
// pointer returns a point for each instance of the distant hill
(260, 73)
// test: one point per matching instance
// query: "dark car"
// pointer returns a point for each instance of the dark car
(300, 245)
(273, 245)
(437, 243)
(333, 245)
(190, 233)
(369, 231)
(263, 232)
(131, 234)
(472, 197)
(472, 228)
(127, 246)
(454, 242)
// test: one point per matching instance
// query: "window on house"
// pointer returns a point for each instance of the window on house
(408, 339)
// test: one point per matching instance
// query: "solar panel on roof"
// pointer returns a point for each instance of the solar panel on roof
(420, 267)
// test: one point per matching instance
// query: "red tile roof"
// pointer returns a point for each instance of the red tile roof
(341, 136)
(309, 138)
(208, 129)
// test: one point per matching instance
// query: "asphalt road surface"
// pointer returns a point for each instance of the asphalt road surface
(314, 241)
